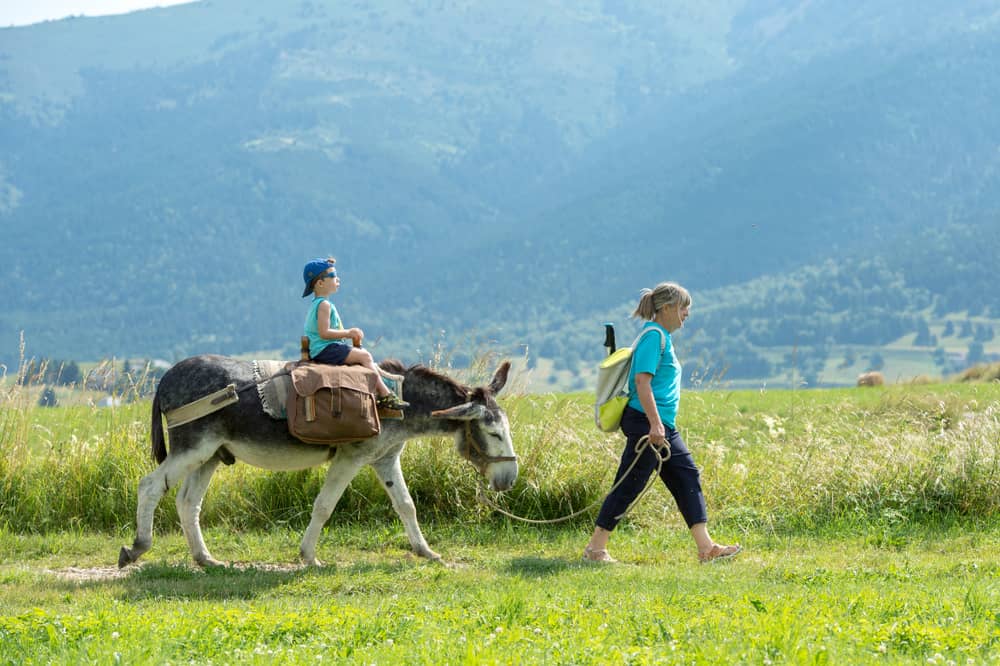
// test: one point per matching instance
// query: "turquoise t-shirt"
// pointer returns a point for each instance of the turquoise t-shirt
(316, 343)
(666, 371)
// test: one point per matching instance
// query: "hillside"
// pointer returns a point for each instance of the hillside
(508, 175)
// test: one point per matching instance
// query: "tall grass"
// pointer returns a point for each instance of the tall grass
(825, 457)
(774, 460)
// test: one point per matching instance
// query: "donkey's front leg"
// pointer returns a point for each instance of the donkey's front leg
(338, 477)
(390, 474)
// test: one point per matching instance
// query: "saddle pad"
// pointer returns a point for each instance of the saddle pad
(273, 392)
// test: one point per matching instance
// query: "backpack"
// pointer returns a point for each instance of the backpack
(612, 384)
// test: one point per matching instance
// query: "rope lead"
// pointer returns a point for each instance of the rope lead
(640, 448)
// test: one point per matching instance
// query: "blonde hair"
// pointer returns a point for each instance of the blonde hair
(665, 293)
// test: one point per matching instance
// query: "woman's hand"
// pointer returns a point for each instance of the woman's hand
(643, 388)
(657, 433)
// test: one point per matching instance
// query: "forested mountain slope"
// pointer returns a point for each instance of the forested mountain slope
(509, 172)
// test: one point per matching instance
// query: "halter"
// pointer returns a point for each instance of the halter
(483, 456)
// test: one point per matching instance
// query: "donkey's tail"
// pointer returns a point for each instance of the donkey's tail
(158, 447)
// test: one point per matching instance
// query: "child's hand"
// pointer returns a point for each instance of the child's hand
(356, 335)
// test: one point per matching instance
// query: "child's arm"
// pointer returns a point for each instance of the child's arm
(327, 333)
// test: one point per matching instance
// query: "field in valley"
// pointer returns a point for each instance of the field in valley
(870, 519)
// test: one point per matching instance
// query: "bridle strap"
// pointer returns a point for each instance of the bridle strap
(479, 450)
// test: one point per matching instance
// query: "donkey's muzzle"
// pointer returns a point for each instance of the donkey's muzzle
(503, 476)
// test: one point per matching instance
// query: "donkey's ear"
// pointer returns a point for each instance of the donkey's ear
(467, 411)
(500, 377)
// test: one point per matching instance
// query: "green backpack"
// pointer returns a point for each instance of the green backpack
(612, 382)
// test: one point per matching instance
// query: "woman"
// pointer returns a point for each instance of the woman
(655, 391)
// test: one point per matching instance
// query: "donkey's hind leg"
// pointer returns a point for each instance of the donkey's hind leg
(152, 487)
(189, 499)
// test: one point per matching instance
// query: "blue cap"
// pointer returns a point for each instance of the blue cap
(313, 270)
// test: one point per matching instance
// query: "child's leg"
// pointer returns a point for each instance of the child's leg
(386, 398)
(332, 355)
(358, 356)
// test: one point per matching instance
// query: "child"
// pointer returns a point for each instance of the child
(327, 335)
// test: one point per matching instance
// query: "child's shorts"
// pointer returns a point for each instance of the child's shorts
(334, 354)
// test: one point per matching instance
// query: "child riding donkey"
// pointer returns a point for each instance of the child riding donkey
(328, 339)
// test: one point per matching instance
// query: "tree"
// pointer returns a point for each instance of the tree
(924, 337)
(939, 357)
(70, 373)
(61, 373)
(975, 353)
(48, 398)
(850, 358)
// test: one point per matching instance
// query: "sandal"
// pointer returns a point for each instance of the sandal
(592, 555)
(719, 553)
(390, 401)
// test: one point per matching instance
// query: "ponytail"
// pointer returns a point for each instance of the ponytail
(665, 293)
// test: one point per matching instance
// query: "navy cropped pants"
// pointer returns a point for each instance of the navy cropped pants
(679, 474)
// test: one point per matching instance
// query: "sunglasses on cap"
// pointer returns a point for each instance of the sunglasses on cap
(331, 274)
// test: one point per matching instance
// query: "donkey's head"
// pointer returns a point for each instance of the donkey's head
(485, 438)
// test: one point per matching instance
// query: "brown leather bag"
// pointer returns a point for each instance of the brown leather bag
(332, 404)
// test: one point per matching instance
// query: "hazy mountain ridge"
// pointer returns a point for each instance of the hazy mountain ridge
(479, 169)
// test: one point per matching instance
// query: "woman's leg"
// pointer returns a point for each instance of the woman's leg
(597, 548)
(681, 477)
(634, 425)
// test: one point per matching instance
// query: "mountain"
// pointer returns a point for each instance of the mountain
(508, 173)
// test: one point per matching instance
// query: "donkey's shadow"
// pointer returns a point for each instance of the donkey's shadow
(238, 580)
(536, 567)
(250, 580)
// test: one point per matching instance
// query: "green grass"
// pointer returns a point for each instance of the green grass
(871, 520)
(510, 594)
(784, 460)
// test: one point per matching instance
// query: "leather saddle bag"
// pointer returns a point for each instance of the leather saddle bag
(332, 404)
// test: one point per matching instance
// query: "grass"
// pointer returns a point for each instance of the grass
(511, 594)
(871, 519)
(778, 459)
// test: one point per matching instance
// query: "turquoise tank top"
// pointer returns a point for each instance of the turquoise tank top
(316, 343)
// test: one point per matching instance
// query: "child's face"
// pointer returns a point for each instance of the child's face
(328, 284)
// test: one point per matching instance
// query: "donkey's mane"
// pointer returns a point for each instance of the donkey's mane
(422, 371)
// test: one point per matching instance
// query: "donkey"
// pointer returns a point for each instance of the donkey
(244, 431)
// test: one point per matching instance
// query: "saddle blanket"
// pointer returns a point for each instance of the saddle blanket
(273, 387)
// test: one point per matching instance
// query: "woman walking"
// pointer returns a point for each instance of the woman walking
(655, 390)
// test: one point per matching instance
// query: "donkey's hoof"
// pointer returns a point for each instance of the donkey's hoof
(210, 563)
(125, 557)
(430, 555)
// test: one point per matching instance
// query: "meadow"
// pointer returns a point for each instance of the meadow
(870, 519)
